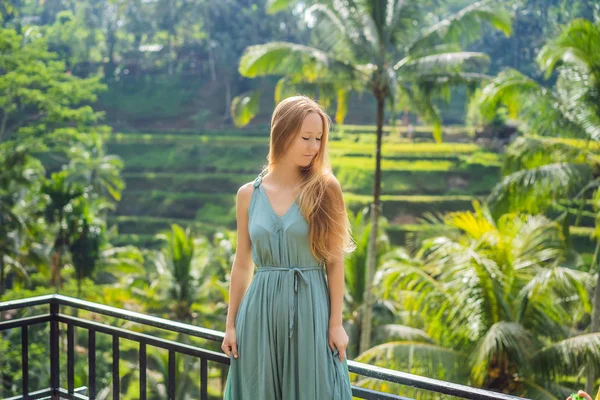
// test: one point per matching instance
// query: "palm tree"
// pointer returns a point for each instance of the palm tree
(174, 263)
(379, 47)
(85, 242)
(185, 274)
(89, 165)
(547, 165)
(62, 197)
(492, 303)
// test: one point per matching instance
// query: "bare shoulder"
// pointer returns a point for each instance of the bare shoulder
(244, 193)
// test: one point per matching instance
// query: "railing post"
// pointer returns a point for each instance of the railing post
(54, 350)
(25, 360)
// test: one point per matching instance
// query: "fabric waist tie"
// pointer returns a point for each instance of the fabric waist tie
(293, 272)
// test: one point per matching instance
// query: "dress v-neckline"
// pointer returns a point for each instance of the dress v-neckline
(290, 208)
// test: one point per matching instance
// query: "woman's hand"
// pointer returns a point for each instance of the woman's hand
(229, 344)
(582, 394)
(338, 339)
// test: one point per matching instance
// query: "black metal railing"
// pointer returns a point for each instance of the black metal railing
(55, 318)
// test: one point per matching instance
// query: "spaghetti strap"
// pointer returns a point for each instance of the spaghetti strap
(257, 181)
(255, 184)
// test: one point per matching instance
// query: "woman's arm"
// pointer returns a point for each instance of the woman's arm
(242, 269)
(335, 278)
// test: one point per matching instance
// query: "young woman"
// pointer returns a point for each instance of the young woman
(284, 331)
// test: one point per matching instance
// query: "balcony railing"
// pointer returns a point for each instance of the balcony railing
(56, 319)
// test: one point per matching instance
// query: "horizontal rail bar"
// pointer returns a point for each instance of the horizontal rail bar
(38, 394)
(64, 394)
(147, 339)
(133, 316)
(27, 302)
(47, 394)
(421, 382)
(27, 321)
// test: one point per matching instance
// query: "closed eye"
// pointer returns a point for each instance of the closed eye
(305, 138)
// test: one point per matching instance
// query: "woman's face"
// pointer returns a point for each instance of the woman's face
(307, 143)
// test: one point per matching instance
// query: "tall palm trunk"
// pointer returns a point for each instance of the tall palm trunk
(595, 324)
(1, 277)
(365, 334)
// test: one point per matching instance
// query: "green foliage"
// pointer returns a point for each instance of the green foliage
(19, 206)
(38, 98)
(491, 292)
(244, 108)
(543, 172)
(153, 97)
(535, 165)
(534, 21)
(72, 41)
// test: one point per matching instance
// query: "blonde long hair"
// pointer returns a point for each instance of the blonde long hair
(319, 202)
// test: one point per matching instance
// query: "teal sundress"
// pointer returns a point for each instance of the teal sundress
(282, 321)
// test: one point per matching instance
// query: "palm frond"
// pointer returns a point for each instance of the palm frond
(503, 342)
(464, 25)
(470, 223)
(527, 152)
(536, 243)
(579, 93)
(578, 44)
(399, 22)
(432, 225)
(371, 31)
(536, 106)
(534, 190)
(402, 273)
(416, 357)
(295, 60)
(442, 63)
(361, 33)
(330, 32)
(406, 333)
(536, 391)
(546, 315)
(474, 281)
(568, 355)
(557, 283)
(245, 107)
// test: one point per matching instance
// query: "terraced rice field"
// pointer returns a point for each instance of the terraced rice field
(193, 178)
